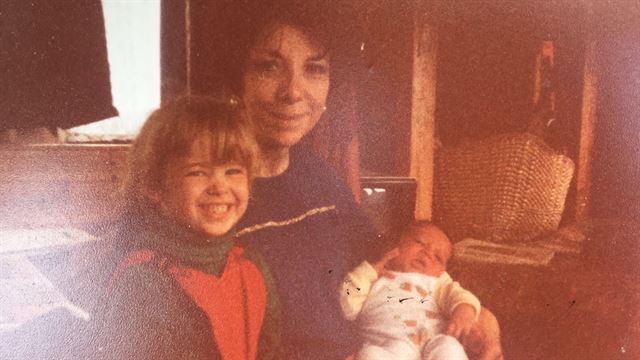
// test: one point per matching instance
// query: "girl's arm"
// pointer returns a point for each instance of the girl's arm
(141, 317)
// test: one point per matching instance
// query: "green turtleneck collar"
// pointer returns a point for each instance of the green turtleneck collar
(183, 245)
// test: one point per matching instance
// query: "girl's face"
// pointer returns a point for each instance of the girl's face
(285, 85)
(202, 194)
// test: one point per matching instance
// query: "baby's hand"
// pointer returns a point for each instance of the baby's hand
(462, 320)
(382, 263)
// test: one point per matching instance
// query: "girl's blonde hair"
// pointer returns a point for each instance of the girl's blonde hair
(171, 131)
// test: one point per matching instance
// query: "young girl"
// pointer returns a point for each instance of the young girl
(184, 289)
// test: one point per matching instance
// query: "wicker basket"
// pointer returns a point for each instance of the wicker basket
(510, 187)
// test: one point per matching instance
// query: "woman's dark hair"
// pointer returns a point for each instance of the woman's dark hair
(225, 34)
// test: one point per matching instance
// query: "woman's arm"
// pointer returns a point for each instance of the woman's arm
(483, 342)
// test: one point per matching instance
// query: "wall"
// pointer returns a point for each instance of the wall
(486, 68)
(616, 171)
(61, 185)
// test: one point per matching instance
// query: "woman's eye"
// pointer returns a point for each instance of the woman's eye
(267, 66)
(196, 173)
(317, 68)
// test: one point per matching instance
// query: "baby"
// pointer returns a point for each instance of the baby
(406, 305)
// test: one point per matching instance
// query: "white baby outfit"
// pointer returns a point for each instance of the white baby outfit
(402, 315)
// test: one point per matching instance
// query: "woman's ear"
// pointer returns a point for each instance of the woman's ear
(154, 195)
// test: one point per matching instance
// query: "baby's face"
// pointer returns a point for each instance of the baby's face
(425, 250)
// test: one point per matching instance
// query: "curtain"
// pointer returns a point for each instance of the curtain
(53, 64)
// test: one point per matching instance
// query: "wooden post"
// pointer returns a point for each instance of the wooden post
(423, 105)
(587, 128)
(173, 49)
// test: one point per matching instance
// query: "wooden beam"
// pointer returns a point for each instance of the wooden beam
(587, 130)
(423, 105)
(173, 49)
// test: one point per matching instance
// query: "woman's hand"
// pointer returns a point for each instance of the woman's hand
(483, 341)
(462, 320)
(381, 264)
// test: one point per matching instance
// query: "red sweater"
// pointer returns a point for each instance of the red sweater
(235, 318)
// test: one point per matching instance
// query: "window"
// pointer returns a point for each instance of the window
(133, 45)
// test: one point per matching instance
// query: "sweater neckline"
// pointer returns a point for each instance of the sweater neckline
(173, 240)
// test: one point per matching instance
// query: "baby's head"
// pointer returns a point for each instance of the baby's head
(424, 248)
(193, 162)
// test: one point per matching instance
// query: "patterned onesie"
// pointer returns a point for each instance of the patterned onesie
(403, 315)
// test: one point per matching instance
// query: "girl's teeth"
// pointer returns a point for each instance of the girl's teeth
(218, 209)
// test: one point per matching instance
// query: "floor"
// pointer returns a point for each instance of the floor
(584, 306)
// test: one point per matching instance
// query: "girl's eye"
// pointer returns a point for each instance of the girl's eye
(235, 171)
(317, 68)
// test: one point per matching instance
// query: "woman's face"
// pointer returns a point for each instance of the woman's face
(285, 85)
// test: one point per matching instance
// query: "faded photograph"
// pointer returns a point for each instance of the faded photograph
(338, 179)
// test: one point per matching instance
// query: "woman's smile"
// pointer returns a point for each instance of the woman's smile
(283, 121)
(288, 117)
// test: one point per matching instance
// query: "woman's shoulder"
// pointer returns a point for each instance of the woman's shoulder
(318, 174)
(309, 190)
(309, 182)
(306, 160)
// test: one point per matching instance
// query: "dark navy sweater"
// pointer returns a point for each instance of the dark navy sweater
(309, 229)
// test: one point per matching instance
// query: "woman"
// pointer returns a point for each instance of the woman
(301, 216)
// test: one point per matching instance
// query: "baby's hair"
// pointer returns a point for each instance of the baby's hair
(416, 225)
(171, 131)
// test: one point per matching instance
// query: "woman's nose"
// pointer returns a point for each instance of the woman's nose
(292, 87)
